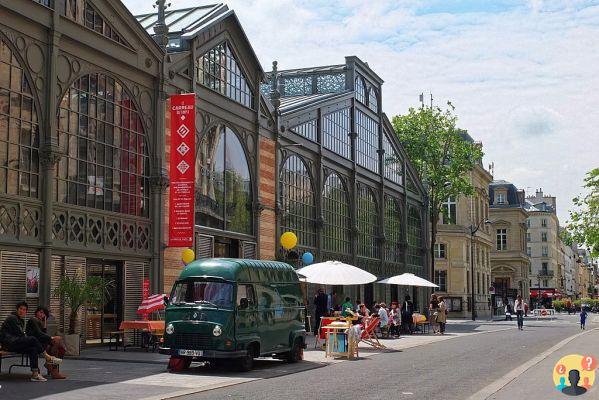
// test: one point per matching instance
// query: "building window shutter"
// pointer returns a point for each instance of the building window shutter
(13, 281)
(134, 275)
(248, 250)
(204, 246)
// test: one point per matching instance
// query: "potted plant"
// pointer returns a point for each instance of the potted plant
(75, 293)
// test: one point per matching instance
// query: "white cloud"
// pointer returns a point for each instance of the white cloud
(523, 77)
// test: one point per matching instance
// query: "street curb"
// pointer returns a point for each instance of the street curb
(500, 383)
(117, 360)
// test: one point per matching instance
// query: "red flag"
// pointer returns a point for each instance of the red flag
(182, 170)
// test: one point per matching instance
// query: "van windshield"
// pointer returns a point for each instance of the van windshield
(210, 293)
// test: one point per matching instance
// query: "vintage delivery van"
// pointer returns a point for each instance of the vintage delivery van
(231, 311)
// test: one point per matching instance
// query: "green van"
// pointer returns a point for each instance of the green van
(235, 309)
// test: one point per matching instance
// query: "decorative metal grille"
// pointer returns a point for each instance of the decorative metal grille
(218, 70)
(106, 164)
(336, 128)
(360, 89)
(373, 102)
(297, 85)
(392, 162)
(367, 223)
(59, 221)
(94, 230)
(143, 237)
(307, 130)
(76, 229)
(19, 130)
(330, 83)
(415, 237)
(336, 214)
(111, 233)
(367, 143)
(393, 230)
(410, 184)
(128, 238)
(8, 220)
(297, 201)
(30, 222)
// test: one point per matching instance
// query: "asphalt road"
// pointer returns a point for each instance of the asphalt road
(452, 369)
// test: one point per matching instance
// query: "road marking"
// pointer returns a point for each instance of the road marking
(500, 383)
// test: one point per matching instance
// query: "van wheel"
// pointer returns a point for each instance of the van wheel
(296, 353)
(246, 363)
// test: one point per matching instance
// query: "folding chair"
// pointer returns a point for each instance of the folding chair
(324, 321)
(369, 335)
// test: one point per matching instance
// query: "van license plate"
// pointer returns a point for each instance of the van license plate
(191, 353)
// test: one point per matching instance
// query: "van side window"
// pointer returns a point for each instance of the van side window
(246, 292)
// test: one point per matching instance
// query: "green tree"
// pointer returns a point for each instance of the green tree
(441, 154)
(584, 221)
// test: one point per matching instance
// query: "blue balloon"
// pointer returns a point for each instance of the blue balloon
(308, 258)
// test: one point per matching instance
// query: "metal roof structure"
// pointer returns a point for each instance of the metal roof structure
(293, 103)
(186, 21)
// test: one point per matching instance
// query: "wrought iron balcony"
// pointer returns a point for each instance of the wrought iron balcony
(544, 273)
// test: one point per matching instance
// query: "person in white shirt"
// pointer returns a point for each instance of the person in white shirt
(382, 313)
(519, 308)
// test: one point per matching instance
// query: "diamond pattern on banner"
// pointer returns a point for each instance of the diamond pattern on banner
(183, 166)
(183, 148)
(183, 131)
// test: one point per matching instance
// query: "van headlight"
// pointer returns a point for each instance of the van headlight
(217, 331)
(170, 329)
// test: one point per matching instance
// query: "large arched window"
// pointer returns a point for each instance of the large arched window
(360, 89)
(335, 204)
(392, 162)
(367, 223)
(373, 102)
(19, 132)
(414, 237)
(223, 183)
(393, 230)
(297, 201)
(106, 163)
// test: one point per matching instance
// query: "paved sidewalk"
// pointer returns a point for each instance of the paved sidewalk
(102, 374)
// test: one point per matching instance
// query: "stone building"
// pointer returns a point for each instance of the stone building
(543, 247)
(461, 224)
(509, 262)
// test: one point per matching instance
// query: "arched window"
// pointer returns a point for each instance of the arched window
(373, 102)
(223, 183)
(393, 230)
(19, 131)
(415, 237)
(297, 201)
(360, 90)
(392, 162)
(367, 142)
(367, 223)
(106, 163)
(335, 204)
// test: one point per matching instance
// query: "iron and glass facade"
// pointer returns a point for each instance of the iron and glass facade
(364, 213)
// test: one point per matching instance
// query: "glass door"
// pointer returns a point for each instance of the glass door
(103, 319)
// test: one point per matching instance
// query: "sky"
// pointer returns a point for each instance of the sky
(523, 75)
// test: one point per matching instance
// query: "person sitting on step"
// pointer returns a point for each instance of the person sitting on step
(37, 328)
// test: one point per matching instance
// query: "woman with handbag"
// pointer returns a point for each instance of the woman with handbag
(433, 309)
(442, 315)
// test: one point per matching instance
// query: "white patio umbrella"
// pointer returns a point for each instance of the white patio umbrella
(408, 280)
(335, 273)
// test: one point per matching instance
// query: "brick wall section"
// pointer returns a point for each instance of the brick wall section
(172, 255)
(267, 198)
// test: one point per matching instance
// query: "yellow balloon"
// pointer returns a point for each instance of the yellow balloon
(288, 240)
(188, 256)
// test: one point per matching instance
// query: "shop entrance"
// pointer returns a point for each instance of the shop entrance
(100, 321)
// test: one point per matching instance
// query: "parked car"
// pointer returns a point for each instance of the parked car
(230, 311)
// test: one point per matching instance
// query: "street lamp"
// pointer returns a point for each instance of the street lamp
(473, 230)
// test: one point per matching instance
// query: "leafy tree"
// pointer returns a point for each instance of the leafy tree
(441, 154)
(584, 221)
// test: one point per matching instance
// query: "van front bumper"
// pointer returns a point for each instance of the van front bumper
(206, 353)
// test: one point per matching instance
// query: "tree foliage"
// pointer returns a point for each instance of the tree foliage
(440, 153)
(584, 220)
(75, 293)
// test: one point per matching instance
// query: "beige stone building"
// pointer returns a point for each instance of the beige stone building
(509, 262)
(453, 250)
(543, 247)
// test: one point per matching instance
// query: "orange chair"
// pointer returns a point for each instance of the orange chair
(369, 334)
(324, 321)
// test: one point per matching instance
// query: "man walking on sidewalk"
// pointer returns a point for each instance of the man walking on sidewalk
(519, 307)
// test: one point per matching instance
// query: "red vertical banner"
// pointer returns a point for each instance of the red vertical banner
(182, 170)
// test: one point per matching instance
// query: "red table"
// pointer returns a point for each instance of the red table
(143, 326)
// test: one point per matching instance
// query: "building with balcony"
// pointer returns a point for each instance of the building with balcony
(510, 263)
(546, 279)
